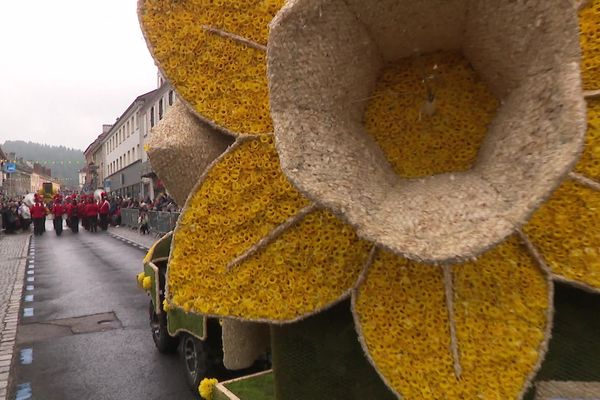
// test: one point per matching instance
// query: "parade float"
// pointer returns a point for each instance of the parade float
(405, 194)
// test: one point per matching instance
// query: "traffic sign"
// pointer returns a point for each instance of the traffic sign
(10, 168)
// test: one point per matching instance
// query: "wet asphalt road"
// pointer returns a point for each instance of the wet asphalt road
(67, 358)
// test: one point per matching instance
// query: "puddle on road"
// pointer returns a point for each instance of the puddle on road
(24, 392)
(26, 356)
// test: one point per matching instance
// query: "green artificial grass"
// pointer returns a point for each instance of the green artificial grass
(321, 358)
(574, 351)
(261, 387)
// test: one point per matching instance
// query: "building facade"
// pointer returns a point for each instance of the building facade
(126, 167)
(116, 161)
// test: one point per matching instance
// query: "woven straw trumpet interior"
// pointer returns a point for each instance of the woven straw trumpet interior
(325, 57)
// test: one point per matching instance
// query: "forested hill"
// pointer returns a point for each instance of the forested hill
(64, 162)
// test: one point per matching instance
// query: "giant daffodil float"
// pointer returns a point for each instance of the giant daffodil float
(429, 160)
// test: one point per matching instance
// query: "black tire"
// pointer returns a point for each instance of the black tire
(164, 342)
(195, 360)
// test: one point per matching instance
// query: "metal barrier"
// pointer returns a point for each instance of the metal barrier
(159, 222)
(129, 217)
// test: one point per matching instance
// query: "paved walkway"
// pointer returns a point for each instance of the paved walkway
(132, 236)
(13, 259)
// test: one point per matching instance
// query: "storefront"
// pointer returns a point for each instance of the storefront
(126, 182)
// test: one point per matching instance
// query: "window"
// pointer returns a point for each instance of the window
(170, 97)
(128, 157)
(152, 117)
(160, 109)
(133, 153)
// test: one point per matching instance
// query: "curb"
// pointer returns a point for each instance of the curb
(129, 242)
(9, 324)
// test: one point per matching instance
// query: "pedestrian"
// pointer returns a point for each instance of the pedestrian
(74, 217)
(38, 214)
(25, 214)
(91, 213)
(143, 220)
(81, 209)
(104, 211)
(68, 210)
(58, 210)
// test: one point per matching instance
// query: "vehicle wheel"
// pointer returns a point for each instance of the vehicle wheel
(164, 342)
(194, 359)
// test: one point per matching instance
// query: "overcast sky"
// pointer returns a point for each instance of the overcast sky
(69, 66)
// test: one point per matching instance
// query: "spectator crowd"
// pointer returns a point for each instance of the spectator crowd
(16, 214)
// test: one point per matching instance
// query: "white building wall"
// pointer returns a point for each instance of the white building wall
(121, 146)
(152, 113)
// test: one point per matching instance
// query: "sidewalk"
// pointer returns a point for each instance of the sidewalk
(132, 235)
(13, 259)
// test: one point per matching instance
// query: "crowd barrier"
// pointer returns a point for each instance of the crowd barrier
(159, 222)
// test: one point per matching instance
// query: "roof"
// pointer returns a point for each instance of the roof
(2, 155)
(95, 143)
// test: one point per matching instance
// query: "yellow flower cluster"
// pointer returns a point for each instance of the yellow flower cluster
(140, 279)
(165, 306)
(566, 230)
(243, 198)
(589, 25)
(147, 283)
(500, 305)
(224, 80)
(206, 387)
(589, 164)
(429, 114)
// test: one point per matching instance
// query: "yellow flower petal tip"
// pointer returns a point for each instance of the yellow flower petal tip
(500, 318)
(207, 385)
(222, 78)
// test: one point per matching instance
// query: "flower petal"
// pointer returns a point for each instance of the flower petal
(589, 164)
(566, 231)
(223, 79)
(501, 318)
(589, 25)
(241, 200)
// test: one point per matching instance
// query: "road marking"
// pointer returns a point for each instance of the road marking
(30, 272)
(30, 279)
(26, 356)
(28, 312)
(29, 288)
(24, 392)
(28, 298)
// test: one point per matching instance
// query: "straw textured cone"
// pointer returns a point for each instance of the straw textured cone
(243, 343)
(181, 148)
(324, 60)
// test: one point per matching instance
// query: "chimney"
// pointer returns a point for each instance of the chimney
(106, 128)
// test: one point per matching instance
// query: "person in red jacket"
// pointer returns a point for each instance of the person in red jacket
(91, 212)
(81, 209)
(104, 211)
(75, 215)
(58, 210)
(38, 214)
(68, 209)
